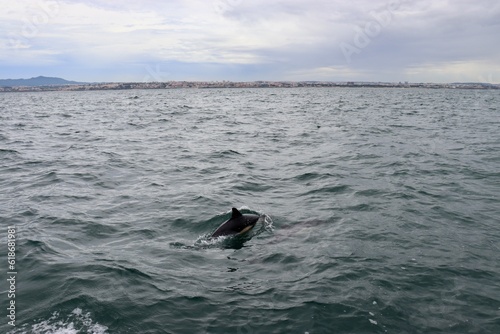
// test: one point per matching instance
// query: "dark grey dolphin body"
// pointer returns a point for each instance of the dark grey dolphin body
(238, 224)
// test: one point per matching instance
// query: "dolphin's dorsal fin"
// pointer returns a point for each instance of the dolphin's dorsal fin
(235, 213)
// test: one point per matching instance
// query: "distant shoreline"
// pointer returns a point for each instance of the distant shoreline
(229, 84)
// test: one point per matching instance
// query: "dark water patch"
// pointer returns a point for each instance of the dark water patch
(86, 177)
(360, 207)
(311, 176)
(224, 154)
(39, 249)
(108, 184)
(369, 193)
(28, 212)
(400, 194)
(427, 193)
(7, 152)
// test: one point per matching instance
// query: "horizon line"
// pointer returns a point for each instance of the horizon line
(75, 82)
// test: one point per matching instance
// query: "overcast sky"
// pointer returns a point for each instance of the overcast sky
(247, 40)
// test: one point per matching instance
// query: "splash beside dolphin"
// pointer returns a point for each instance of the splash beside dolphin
(238, 224)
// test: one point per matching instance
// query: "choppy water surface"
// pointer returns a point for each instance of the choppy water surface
(381, 210)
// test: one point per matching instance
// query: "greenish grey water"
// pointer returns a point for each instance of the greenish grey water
(382, 210)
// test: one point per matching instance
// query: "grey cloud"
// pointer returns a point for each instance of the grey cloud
(287, 36)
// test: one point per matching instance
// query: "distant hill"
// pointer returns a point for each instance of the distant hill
(38, 81)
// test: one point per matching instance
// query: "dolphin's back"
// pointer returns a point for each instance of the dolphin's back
(238, 223)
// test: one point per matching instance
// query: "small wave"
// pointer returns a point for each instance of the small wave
(225, 154)
(46, 179)
(75, 322)
(310, 176)
(338, 189)
(39, 248)
(369, 193)
(7, 151)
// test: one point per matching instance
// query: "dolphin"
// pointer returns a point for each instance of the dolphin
(238, 224)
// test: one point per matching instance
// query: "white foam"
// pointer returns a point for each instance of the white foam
(77, 311)
(58, 324)
(205, 240)
(268, 223)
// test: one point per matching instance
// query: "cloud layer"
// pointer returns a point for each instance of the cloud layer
(334, 40)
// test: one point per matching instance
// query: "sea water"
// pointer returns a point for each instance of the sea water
(380, 210)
